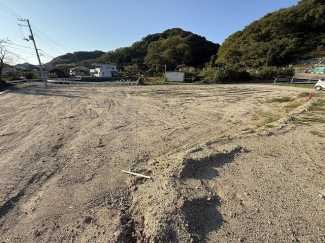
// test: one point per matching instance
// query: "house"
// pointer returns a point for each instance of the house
(79, 71)
(175, 76)
(104, 70)
(57, 73)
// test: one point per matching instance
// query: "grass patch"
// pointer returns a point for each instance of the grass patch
(318, 106)
(281, 100)
(293, 105)
(319, 134)
(161, 81)
(265, 118)
(260, 114)
(308, 120)
(297, 85)
(268, 120)
(306, 94)
(161, 92)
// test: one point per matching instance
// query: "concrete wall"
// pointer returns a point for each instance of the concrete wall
(175, 76)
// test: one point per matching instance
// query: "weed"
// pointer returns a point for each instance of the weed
(307, 120)
(319, 134)
(318, 106)
(296, 85)
(280, 100)
(269, 153)
(306, 94)
(303, 94)
(259, 114)
(268, 120)
(293, 105)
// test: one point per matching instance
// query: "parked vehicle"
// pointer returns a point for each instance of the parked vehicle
(320, 85)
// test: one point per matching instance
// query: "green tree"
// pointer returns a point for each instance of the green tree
(171, 52)
(279, 38)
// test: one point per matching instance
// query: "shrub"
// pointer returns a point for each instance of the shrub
(227, 75)
(266, 73)
(206, 76)
(285, 72)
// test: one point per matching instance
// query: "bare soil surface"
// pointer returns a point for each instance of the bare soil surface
(229, 163)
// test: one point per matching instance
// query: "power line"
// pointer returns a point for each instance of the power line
(48, 40)
(8, 19)
(20, 50)
(10, 43)
(10, 11)
(18, 56)
(46, 54)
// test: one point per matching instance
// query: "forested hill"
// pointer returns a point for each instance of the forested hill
(76, 57)
(279, 38)
(173, 47)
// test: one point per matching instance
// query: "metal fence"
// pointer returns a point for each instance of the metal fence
(71, 81)
(294, 80)
(23, 81)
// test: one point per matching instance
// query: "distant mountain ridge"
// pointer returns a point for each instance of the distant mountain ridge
(78, 56)
(198, 49)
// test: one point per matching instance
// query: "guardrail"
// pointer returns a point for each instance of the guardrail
(295, 80)
(72, 81)
(23, 80)
(69, 81)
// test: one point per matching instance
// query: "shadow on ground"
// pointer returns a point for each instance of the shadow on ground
(50, 91)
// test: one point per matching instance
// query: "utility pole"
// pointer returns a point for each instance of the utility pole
(31, 37)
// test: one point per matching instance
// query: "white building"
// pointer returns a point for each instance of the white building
(175, 76)
(104, 70)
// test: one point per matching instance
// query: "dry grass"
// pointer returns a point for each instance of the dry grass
(294, 105)
(281, 100)
(319, 134)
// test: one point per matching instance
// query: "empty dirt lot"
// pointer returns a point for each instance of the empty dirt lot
(229, 163)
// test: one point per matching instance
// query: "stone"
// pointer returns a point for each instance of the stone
(322, 193)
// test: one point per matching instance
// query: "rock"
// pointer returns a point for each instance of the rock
(88, 220)
(322, 193)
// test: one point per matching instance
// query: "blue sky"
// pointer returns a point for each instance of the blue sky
(84, 25)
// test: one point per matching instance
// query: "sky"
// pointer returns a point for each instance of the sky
(63, 26)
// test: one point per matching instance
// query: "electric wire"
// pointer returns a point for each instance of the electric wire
(10, 43)
(50, 41)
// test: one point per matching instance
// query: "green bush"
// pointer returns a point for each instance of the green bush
(285, 72)
(227, 75)
(29, 75)
(266, 73)
(206, 76)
